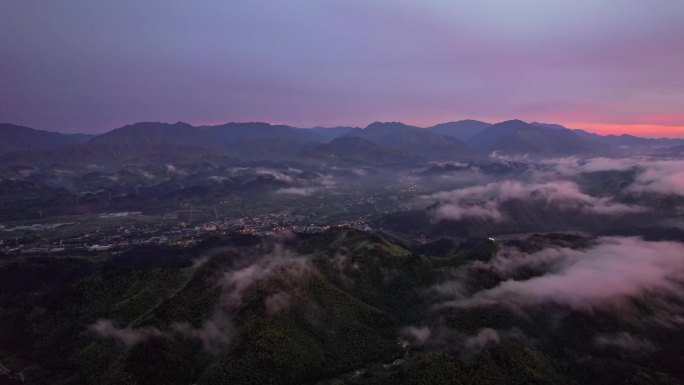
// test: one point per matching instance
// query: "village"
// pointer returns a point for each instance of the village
(31, 239)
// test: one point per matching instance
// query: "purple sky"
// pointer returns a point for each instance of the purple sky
(85, 65)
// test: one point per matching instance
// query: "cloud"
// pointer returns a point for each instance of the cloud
(218, 178)
(485, 201)
(278, 302)
(172, 169)
(277, 272)
(625, 341)
(484, 338)
(310, 187)
(277, 175)
(126, 336)
(280, 274)
(660, 177)
(455, 211)
(418, 335)
(608, 164)
(572, 166)
(214, 334)
(327, 181)
(446, 337)
(558, 167)
(664, 177)
(509, 260)
(301, 191)
(616, 269)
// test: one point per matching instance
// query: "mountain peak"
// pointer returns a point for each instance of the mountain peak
(518, 137)
(462, 129)
(150, 125)
(386, 125)
(516, 122)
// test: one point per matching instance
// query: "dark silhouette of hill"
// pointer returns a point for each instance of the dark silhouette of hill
(623, 140)
(626, 140)
(415, 141)
(330, 133)
(462, 129)
(20, 138)
(518, 137)
(155, 142)
(146, 137)
(259, 140)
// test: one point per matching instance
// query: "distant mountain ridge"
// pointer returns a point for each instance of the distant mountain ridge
(462, 129)
(394, 142)
(414, 140)
(20, 138)
(518, 137)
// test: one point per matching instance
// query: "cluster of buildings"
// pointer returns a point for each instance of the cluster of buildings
(179, 234)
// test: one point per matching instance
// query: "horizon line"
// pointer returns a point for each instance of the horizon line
(651, 131)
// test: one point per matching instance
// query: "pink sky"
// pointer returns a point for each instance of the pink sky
(602, 65)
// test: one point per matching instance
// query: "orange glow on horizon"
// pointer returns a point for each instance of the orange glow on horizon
(637, 129)
(645, 130)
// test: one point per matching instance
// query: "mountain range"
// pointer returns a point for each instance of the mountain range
(387, 143)
(20, 138)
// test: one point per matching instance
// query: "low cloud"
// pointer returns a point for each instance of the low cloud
(418, 335)
(218, 178)
(300, 191)
(446, 337)
(484, 338)
(280, 276)
(608, 164)
(572, 165)
(509, 260)
(625, 341)
(657, 176)
(327, 181)
(277, 175)
(278, 302)
(660, 177)
(310, 187)
(214, 334)
(277, 272)
(615, 270)
(457, 211)
(485, 201)
(172, 169)
(126, 336)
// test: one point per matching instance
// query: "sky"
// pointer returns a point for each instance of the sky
(610, 66)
